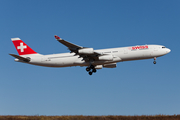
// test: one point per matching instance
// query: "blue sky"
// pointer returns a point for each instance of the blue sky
(133, 88)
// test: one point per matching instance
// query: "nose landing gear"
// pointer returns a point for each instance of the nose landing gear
(154, 60)
(91, 69)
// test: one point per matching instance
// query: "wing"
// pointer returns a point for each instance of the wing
(72, 47)
(86, 53)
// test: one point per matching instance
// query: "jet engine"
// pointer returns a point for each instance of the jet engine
(113, 65)
(106, 57)
(86, 51)
(98, 67)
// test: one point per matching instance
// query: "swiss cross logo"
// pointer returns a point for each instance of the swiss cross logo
(22, 47)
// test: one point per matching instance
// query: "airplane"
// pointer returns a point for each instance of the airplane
(83, 56)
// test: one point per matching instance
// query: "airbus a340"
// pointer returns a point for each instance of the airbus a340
(82, 56)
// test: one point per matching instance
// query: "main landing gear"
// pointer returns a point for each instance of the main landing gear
(154, 60)
(91, 69)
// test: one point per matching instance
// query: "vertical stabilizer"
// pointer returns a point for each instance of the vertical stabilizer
(21, 47)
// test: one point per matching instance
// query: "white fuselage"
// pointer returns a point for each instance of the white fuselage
(119, 55)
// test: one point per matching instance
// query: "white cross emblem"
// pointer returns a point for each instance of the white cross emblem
(22, 47)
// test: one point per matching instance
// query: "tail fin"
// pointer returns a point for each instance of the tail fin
(21, 47)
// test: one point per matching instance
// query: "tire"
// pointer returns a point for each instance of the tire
(94, 70)
(90, 73)
(88, 69)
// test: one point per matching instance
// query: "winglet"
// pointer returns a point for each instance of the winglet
(57, 37)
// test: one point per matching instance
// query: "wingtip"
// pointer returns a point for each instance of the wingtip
(10, 54)
(57, 37)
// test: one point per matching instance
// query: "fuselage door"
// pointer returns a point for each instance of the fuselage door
(155, 49)
(125, 51)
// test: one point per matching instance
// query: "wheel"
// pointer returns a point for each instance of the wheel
(88, 69)
(154, 62)
(90, 73)
(94, 70)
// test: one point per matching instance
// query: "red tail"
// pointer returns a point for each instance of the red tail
(21, 47)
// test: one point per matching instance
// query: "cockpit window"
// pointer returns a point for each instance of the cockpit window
(163, 47)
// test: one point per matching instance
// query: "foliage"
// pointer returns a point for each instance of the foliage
(156, 117)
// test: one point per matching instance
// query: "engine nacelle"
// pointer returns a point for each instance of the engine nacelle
(86, 51)
(106, 57)
(98, 67)
(113, 65)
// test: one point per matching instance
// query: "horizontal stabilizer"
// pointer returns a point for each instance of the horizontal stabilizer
(20, 58)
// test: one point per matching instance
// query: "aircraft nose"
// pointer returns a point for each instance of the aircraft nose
(168, 50)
